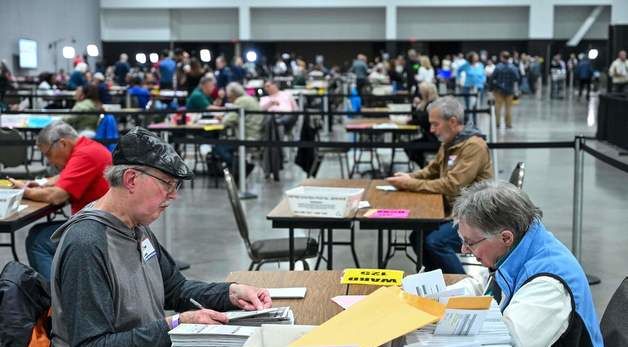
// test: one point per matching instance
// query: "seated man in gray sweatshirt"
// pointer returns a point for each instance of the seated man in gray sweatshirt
(112, 280)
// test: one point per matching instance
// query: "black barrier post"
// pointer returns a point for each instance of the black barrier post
(492, 135)
(244, 194)
(576, 241)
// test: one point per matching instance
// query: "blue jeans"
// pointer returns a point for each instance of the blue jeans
(40, 249)
(225, 153)
(441, 245)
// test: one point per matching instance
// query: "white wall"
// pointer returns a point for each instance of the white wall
(318, 24)
(135, 25)
(568, 19)
(462, 23)
(204, 25)
(46, 21)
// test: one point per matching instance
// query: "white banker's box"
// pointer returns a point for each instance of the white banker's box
(324, 202)
(9, 201)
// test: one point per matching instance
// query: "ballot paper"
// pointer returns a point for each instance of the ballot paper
(204, 335)
(464, 315)
(287, 293)
(460, 322)
(425, 283)
(275, 315)
(493, 332)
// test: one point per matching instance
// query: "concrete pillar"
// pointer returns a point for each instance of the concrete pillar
(619, 12)
(391, 22)
(244, 23)
(541, 20)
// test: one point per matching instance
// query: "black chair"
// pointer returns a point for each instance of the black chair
(268, 250)
(16, 155)
(516, 178)
(614, 324)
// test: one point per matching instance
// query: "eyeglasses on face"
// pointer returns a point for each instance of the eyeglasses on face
(471, 245)
(172, 186)
(46, 153)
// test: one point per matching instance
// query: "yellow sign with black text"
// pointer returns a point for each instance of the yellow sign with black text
(376, 277)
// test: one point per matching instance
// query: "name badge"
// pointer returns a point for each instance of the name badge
(451, 161)
(148, 251)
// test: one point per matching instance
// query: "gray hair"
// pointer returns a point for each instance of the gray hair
(494, 206)
(114, 173)
(206, 79)
(449, 108)
(235, 89)
(55, 131)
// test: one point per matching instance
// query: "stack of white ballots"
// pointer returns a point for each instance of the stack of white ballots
(493, 333)
(203, 335)
(275, 315)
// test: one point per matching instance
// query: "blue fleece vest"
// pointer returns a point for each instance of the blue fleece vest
(539, 253)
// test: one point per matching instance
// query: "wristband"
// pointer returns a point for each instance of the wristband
(175, 321)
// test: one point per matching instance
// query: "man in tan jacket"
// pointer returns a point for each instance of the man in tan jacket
(462, 159)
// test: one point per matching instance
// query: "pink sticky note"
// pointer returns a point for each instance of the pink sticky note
(389, 213)
(345, 301)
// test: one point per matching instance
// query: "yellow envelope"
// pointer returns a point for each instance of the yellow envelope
(377, 277)
(381, 317)
(469, 302)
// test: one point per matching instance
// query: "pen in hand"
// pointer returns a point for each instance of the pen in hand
(195, 303)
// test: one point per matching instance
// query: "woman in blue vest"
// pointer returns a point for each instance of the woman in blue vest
(543, 291)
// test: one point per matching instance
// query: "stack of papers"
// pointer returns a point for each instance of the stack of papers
(276, 315)
(492, 333)
(203, 335)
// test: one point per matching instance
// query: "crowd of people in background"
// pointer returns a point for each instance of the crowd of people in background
(507, 76)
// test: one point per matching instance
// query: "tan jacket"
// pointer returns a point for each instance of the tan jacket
(455, 167)
(253, 123)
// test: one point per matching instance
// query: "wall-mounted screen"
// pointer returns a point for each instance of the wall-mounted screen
(28, 53)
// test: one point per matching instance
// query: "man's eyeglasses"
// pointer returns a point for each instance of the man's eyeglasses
(47, 152)
(173, 186)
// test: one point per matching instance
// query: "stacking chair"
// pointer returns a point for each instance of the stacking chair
(15, 155)
(267, 250)
(614, 324)
(516, 178)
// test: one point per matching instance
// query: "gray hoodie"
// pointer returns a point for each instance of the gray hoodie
(111, 284)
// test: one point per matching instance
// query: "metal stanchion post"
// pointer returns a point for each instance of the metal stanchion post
(327, 121)
(301, 101)
(492, 136)
(244, 194)
(576, 236)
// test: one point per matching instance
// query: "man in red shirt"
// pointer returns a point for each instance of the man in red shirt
(81, 162)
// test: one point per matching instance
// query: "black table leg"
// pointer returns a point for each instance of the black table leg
(419, 260)
(380, 255)
(13, 250)
(291, 248)
(330, 253)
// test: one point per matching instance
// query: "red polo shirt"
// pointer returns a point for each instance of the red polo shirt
(82, 177)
